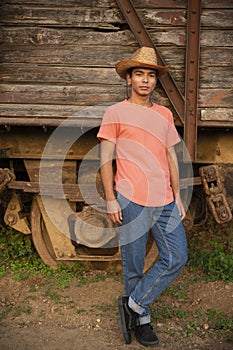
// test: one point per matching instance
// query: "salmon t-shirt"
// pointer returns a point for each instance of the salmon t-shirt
(142, 136)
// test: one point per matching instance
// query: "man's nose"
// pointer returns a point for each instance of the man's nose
(145, 78)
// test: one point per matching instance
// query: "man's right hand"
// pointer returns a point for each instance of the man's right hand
(114, 211)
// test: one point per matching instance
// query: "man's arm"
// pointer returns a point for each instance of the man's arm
(107, 176)
(174, 178)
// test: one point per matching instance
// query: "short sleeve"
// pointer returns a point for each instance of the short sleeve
(109, 128)
(172, 136)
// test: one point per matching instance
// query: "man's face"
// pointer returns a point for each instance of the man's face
(143, 81)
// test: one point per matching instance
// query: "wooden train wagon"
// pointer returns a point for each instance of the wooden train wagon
(57, 78)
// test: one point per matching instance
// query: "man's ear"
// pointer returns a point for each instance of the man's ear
(128, 79)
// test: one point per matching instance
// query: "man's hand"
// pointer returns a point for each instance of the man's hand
(114, 211)
(180, 207)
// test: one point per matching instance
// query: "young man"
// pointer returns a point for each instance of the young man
(143, 136)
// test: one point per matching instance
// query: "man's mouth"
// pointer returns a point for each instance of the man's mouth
(144, 87)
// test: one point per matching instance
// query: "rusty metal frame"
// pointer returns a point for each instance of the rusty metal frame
(192, 75)
(170, 87)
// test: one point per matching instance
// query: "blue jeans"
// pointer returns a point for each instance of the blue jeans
(168, 232)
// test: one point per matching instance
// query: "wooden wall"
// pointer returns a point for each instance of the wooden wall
(57, 56)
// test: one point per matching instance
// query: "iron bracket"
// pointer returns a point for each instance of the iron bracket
(216, 194)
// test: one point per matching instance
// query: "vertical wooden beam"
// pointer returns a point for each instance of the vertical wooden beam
(192, 75)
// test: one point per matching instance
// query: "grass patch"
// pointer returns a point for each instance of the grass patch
(214, 256)
(19, 310)
(165, 311)
(178, 291)
(218, 320)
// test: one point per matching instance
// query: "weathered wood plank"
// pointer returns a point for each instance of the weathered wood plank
(82, 95)
(64, 75)
(107, 56)
(214, 4)
(107, 17)
(39, 36)
(79, 57)
(215, 97)
(65, 16)
(74, 55)
(102, 3)
(214, 77)
(86, 17)
(95, 94)
(61, 75)
(221, 18)
(111, 3)
(36, 37)
(61, 4)
(77, 116)
(55, 94)
(34, 112)
(210, 77)
(216, 38)
(216, 56)
(217, 114)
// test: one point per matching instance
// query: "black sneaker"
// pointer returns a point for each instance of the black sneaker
(145, 335)
(128, 319)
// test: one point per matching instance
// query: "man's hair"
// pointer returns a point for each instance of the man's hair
(130, 70)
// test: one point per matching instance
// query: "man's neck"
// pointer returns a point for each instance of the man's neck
(141, 101)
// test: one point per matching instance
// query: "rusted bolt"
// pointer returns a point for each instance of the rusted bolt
(192, 61)
(218, 151)
(11, 219)
(194, 11)
(190, 90)
(128, 11)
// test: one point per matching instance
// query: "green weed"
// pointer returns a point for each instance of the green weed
(189, 328)
(80, 311)
(5, 311)
(218, 320)
(216, 262)
(19, 310)
(177, 291)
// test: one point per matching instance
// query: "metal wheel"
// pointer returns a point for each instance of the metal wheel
(40, 236)
(45, 249)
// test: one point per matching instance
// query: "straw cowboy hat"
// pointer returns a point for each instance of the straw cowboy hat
(145, 57)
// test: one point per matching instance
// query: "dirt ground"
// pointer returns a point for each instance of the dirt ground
(40, 314)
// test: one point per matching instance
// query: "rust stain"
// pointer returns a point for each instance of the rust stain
(217, 98)
(94, 98)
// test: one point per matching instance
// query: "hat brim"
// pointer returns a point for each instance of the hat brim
(123, 66)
